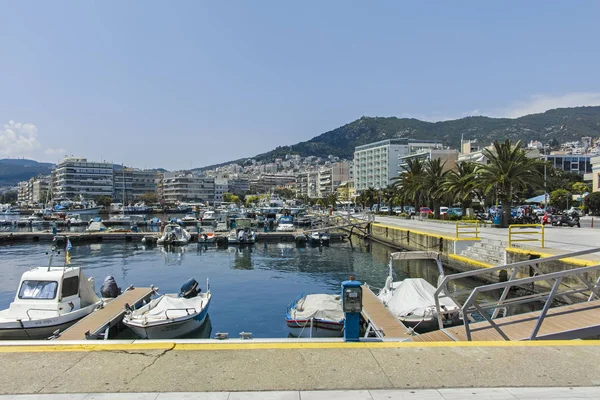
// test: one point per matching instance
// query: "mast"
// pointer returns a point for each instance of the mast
(124, 199)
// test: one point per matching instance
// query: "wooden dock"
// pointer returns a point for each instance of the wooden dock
(381, 318)
(112, 313)
(573, 321)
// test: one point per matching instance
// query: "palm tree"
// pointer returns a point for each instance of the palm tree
(460, 184)
(389, 196)
(508, 171)
(332, 199)
(372, 195)
(433, 180)
(411, 180)
(362, 199)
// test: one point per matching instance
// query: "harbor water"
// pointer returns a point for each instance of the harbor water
(251, 286)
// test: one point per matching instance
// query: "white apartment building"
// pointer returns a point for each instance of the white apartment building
(330, 178)
(375, 164)
(76, 176)
(308, 184)
(130, 183)
(181, 186)
(221, 187)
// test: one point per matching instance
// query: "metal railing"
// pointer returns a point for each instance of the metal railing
(466, 231)
(490, 309)
(539, 232)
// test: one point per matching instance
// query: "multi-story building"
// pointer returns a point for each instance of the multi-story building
(181, 186)
(130, 183)
(239, 186)
(221, 187)
(330, 178)
(577, 163)
(40, 187)
(23, 192)
(77, 177)
(375, 164)
(267, 182)
(447, 156)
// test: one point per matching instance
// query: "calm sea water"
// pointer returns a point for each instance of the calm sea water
(251, 286)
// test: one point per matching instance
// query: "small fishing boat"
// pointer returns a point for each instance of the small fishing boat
(206, 237)
(241, 236)
(189, 218)
(319, 238)
(48, 299)
(316, 315)
(300, 238)
(285, 224)
(174, 234)
(171, 315)
(412, 300)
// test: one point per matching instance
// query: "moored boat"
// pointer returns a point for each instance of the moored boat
(171, 315)
(285, 224)
(206, 237)
(319, 238)
(174, 234)
(48, 299)
(316, 315)
(412, 300)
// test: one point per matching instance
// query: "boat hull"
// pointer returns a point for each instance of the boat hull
(320, 328)
(170, 329)
(42, 328)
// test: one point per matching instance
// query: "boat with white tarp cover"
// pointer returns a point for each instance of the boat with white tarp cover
(412, 300)
(316, 315)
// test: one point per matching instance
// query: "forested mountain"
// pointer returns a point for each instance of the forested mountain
(562, 124)
(14, 170)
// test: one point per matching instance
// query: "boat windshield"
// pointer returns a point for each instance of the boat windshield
(42, 290)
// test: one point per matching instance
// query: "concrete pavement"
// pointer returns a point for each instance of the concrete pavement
(571, 393)
(559, 239)
(192, 366)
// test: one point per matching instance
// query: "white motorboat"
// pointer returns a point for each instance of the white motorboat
(319, 238)
(412, 300)
(48, 299)
(316, 315)
(285, 224)
(209, 216)
(189, 218)
(171, 315)
(174, 234)
(241, 236)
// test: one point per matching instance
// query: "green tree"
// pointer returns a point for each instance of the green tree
(252, 199)
(432, 183)
(362, 199)
(411, 181)
(9, 197)
(592, 202)
(508, 171)
(580, 188)
(285, 193)
(560, 199)
(389, 194)
(460, 184)
(372, 196)
(149, 198)
(230, 198)
(104, 200)
(331, 199)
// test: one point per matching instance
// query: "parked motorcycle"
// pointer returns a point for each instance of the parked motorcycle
(564, 219)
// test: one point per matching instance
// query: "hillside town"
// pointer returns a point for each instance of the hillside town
(375, 165)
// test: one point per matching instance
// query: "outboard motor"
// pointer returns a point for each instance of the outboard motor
(109, 288)
(189, 289)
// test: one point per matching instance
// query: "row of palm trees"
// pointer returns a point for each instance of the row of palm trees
(426, 182)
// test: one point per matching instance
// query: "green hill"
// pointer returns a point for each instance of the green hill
(562, 124)
(14, 170)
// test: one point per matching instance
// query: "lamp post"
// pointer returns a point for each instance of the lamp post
(545, 180)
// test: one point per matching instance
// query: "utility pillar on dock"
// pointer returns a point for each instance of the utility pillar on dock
(352, 306)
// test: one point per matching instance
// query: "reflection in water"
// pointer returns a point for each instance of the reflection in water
(251, 285)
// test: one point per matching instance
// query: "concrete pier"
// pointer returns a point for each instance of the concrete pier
(194, 366)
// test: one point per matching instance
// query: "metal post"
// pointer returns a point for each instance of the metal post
(457, 229)
(510, 236)
(538, 325)
(543, 236)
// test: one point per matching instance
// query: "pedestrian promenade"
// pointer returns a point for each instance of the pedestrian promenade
(558, 240)
(572, 393)
(266, 365)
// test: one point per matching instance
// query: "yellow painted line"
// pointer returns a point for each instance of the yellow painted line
(224, 346)
(453, 238)
(468, 260)
(569, 260)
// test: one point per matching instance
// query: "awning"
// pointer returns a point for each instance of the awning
(539, 199)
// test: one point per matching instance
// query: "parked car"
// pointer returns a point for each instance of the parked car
(444, 210)
(384, 209)
(573, 211)
(425, 210)
(455, 211)
(397, 210)
(409, 210)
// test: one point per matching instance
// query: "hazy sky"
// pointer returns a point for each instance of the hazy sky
(180, 84)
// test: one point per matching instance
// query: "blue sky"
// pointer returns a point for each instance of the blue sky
(190, 83)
